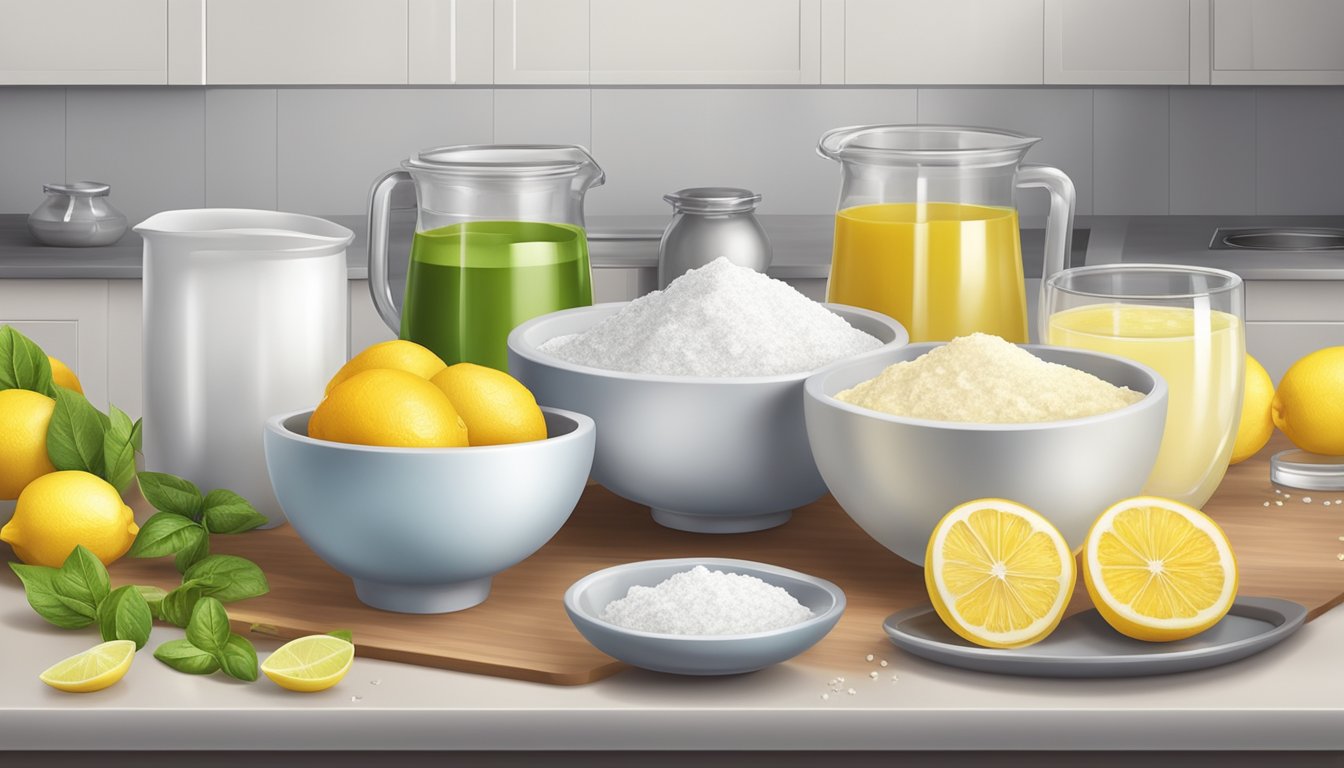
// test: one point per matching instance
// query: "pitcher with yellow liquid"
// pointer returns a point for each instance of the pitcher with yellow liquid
(927, 226)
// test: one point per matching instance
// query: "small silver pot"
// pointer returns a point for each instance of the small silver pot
(707, 223)
(77, 214)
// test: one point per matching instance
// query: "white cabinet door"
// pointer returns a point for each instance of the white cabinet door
(306, 42)
(83, 42)
(1278, 42)
(541, 42)
(1117, 42)
(451, 42)
(68, 319)
(762, 42)
(916, 42)
(125, 346)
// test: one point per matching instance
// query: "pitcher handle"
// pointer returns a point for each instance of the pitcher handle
(380, 212)
(1058, 222)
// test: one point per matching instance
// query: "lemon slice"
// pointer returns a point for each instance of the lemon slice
(1158, 570)
(998, 573)
(93, 670)
(312, 663)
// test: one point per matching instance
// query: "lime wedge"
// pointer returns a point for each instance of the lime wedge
(312, 663)
(92, 670)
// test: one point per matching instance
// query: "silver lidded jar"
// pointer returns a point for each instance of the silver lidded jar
(709, 222)
(77, 214)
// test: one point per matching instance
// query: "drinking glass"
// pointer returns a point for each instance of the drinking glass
(1187, 323)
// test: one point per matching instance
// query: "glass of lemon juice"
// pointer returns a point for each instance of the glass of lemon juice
(1187, 323)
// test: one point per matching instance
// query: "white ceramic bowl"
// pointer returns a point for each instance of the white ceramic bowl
(709, 455)
(701, 654)
(897, 476)
(422, 530)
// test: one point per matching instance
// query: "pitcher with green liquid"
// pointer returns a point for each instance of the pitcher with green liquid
(499, 239)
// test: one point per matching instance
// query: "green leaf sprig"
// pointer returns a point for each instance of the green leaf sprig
(78, 594)
(185, 518)
(23, 364)
(210, 646)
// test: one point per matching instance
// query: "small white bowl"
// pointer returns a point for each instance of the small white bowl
(700, 654)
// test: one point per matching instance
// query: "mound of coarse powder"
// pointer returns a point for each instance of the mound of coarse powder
(705, 602)
(720, 320)
(984, 379)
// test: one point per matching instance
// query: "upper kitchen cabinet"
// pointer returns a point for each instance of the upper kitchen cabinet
(748, 42)
(83, 42)
(916, 42)
(1278, 42)
(543, 42)
(1106, 42)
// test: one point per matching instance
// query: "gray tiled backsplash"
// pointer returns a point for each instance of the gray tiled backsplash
(1134, 150)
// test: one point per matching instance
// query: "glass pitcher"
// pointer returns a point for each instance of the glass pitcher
(926, 230)
(499, 239)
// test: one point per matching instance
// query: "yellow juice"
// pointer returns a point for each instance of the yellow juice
(942, 269)
(1201, 355)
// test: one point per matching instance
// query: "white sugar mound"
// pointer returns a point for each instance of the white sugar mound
(705, 602)
(721, 320)
(984, 379)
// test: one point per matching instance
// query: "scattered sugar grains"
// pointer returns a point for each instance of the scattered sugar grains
(984, 379)
(720, 320)
(705, 602)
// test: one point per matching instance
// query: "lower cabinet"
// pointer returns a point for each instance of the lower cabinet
(1277, 345)
(69, 320)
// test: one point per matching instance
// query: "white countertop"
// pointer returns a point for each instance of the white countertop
(1290, 697)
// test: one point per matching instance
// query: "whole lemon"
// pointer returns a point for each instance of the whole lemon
(397, 354)
(60, 510)
(391, 408)
(63, 376)
(1309, 403)
(496, 407)
(1256, 424)
(24, 416)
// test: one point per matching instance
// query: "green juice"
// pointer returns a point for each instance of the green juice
(469, 284)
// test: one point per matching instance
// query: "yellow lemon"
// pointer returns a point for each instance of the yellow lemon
(312, 663)
(63, 376)
(1256, 425)
(93, 670)
(1159, 570)
(998, 573)
(397, 354)
(24, 416)
(391, 408)
(496, 407)
(60, 510)
(1309, 403)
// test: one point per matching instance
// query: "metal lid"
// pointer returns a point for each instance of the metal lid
(1311, 471)
(713, 199)
(78, 189)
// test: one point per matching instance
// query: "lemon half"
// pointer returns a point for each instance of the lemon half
(312, 663)
(93, 670)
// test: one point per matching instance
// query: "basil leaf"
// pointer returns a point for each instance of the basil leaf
(177, 605)
(39, 586)
(343, 634)
(164, 534)
(153, 598)
(118, 453)
(170, 493)
(238, 658)
(227, 578)
(23, 364)
(124, 615)
(197, 547)
(136, 437)
(83, 577)
(75, 433)
(227, 512)
(209, 626)
(185, 657)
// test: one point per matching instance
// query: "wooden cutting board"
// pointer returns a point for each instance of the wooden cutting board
(522, 631)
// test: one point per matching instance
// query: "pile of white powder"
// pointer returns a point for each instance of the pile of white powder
(720, 320)
(984, 379)
(705, 602)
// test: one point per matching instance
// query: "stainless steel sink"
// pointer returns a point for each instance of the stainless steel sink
(1277, 239)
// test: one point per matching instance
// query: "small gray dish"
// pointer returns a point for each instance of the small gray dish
(1084, 645)
(700, 654)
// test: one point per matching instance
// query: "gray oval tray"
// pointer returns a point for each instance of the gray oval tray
(1084, 645)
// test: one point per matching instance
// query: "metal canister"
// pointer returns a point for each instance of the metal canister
(709, 222)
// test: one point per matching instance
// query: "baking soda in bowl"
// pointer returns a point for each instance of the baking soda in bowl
(705, 602)
(720, 320)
